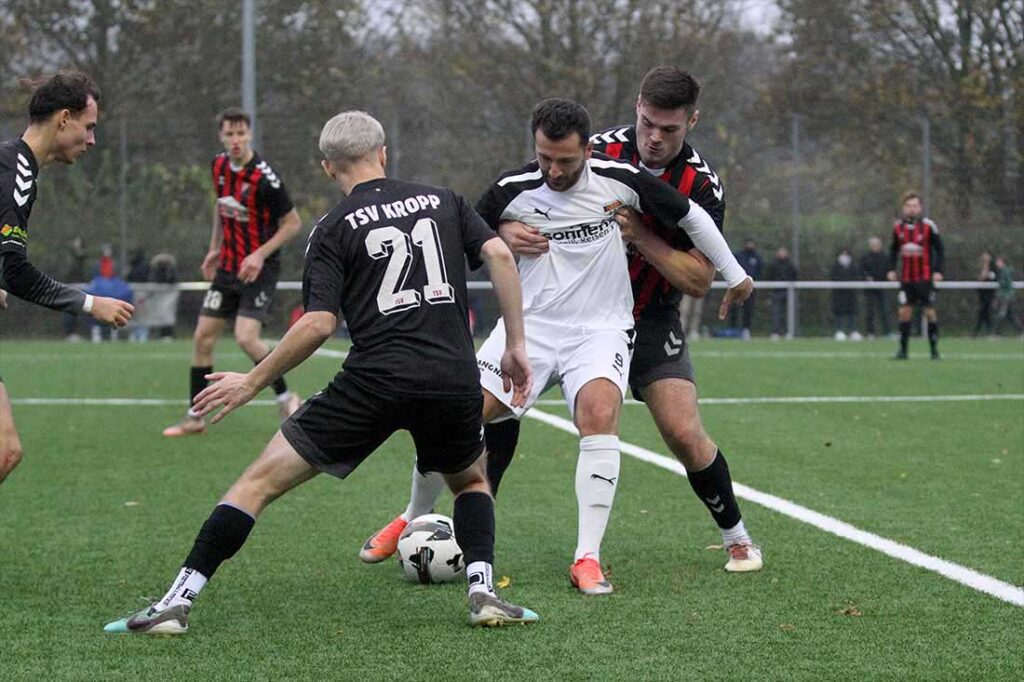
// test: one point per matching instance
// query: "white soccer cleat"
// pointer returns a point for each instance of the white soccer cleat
(744, 557)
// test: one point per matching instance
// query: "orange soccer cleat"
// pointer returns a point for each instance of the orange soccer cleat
(384, 542)
(587, 577)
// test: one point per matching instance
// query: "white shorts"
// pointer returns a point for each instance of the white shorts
(570, 356)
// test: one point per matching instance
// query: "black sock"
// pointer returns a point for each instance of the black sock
(279, 384)
(474, 526)
(223, 534)
(500, 440)
(933, 336)
(197, 382)
(904, 336)
(713, 486)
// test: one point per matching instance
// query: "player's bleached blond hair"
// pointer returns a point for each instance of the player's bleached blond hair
(350, 135)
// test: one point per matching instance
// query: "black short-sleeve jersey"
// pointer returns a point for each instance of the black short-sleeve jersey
(392, 257)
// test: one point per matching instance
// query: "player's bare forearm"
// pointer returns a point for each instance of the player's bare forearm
(216, 233)
(688, 271)
(305, 336)
(505, 277)
(287, 229)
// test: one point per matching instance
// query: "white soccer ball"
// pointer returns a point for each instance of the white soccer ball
(427, 551)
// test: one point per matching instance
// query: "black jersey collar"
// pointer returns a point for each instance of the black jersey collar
(368, 185)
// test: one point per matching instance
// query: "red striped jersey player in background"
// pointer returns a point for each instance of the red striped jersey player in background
(253, 218)
(917, 246)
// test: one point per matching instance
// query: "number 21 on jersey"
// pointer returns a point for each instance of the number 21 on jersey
(393, 297)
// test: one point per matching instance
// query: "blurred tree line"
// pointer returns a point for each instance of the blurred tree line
(453, 81)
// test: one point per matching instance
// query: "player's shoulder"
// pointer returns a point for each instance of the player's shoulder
(623, 137)
(606, 166)
(525, 177)
(693, 158)
(267, 173)
(931, 224)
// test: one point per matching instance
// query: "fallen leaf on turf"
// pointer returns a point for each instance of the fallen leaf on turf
(607, 571)
(131, 503)
(997, 461)
(504, 582)
(643, 511)
(786, 627)
(851, 610)
(715, 547)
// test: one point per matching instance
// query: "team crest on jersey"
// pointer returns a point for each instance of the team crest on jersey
(613, 207)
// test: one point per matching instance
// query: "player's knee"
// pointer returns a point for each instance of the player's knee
(203, 341)
(10, 452)
(597, 417)
(688, 443)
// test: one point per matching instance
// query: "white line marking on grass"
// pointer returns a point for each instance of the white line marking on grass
(790, 400)
(843, 355)
(119, 402)
(329, 353)
(961, 574)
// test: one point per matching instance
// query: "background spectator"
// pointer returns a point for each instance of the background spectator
(780, 270)
(1005, 297)
(690, 311)
(844, 301)
(751, 261)
(157, 310)
(74, 273)
(874, 266)
(107, 283)
(985, 296)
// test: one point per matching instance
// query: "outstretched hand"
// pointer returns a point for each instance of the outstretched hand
(230, 390)
(735, 296)
(516, 375)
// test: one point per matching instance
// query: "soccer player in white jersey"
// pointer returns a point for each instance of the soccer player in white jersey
(578, 305)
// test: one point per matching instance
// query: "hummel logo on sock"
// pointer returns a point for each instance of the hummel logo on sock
(716, 500)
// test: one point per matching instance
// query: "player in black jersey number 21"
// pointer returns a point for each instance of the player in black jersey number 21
(63, 113)
(392, 257)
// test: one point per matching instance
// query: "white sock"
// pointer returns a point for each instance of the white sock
(479, 575)
(735, 535)
(184, 588)
(597, 475)
(192, 414)
(426, 488)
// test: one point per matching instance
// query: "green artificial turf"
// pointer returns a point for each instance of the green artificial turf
(103, 510)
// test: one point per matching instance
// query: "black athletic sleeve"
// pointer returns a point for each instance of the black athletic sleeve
(278, 199)
(492, 205)
(323, 278)
(475, 232)
(20, 277)
(711, 199)
(938, 250)
(894, 250)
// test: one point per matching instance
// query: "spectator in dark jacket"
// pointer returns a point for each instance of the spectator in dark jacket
(780, 270)
(874, 266)
(107, 283)
(986, 297)
(751, 261)
(844, 301)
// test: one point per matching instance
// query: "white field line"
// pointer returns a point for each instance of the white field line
(697, 352)
(799, 400)
(961, 574)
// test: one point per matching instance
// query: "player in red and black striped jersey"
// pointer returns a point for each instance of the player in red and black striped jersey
(662, 266)
(253, 218)
(917, 247)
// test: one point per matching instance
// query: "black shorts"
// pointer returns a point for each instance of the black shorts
(229, 296)
(917, 293)
(661, 352)
(339, 427)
